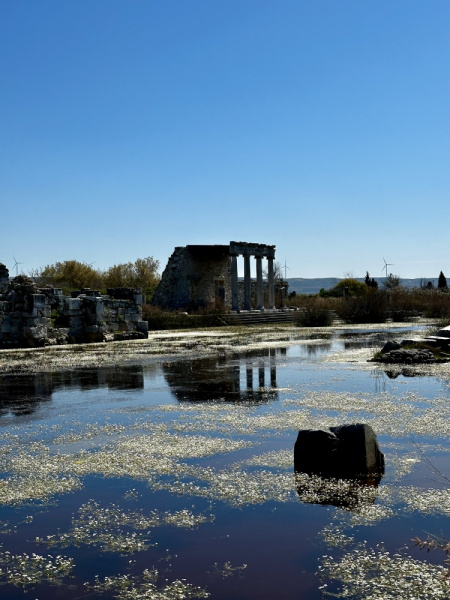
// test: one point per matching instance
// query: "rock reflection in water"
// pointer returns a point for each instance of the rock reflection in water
(348, 493)
(252, 377)
(23, 394)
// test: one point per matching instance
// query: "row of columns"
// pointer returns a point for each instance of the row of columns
(248, 284)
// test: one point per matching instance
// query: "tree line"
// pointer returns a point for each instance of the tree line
(74, 275)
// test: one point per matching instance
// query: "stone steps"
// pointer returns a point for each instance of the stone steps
(260, 318)
(266, 318)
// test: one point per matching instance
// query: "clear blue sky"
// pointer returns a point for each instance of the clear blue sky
(322, 126)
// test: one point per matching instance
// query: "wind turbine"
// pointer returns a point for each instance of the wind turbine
(89, 264)
(386, 265)
(16, 264)
(285, 267)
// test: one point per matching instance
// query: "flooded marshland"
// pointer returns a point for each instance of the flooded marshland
(164, 469)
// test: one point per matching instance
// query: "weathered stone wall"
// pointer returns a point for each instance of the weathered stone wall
(193, 276)
(39, 317)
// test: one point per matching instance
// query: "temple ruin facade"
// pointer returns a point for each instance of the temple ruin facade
(207, 275)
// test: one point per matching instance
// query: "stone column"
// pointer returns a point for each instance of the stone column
(271, 282)
(234, 284)
(259, 284)
(247, 284)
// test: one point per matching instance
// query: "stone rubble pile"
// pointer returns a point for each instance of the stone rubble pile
(408, 356)
(41, 317)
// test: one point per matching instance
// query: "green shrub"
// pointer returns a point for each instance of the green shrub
(313, 311)
(371, 308)
(355, 288)
(314, 317)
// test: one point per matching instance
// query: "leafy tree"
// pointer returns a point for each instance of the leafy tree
(355, 287)
(371, 283)
(71, 275)
(442, 282)
(392, 281)
(143, 273)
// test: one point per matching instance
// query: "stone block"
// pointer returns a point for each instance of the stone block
(35, 333)
(92, 329)
(345, 452)
(135, 318)
(39, 300)
(391, 345)
(73, 304)
(33, 322)
(138, 299)
(94, 319)
(6, 327)
(142, 326)
(445, 332)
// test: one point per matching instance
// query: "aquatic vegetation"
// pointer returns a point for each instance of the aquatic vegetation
(126, 587)
(228, 570)
(370, 574)
(226, 340)
(283, 459)
(433, 501)
(23, 570)
(39, 475)
(103, 527)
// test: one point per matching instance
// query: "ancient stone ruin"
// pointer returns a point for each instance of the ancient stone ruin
(207, 276)
(32, 316)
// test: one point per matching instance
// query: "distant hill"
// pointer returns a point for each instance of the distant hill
(313, 286)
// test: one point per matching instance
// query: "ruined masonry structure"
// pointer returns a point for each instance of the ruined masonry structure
(42, 317)
(197, 276)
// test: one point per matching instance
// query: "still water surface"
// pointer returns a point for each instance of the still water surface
(212, 436)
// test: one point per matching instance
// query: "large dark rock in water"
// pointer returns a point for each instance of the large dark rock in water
(391, 345)
(345, 452)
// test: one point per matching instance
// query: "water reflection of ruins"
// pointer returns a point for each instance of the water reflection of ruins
(23, 394)
(251, 377)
